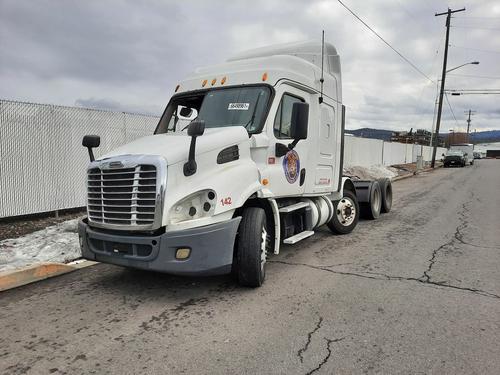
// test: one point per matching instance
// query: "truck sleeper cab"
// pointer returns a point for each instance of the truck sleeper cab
(247, 156)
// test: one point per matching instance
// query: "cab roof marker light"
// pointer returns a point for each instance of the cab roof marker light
(177, 88)
(213, 81)
(204, 83)
(223, 80)
(264, 77)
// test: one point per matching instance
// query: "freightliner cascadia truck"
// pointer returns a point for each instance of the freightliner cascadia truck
(247, 156)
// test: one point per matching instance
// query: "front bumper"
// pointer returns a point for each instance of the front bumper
(211, 248)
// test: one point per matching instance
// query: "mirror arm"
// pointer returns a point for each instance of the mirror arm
(190, 166)
(292, 145)
(91, 154)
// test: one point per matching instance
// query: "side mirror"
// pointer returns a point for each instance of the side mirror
(91, 141)
(300, 117)
(466, 154)
(442, 154)
(195, 129)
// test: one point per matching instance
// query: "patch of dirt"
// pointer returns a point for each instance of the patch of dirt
(19, 226)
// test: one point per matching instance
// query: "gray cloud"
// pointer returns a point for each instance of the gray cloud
(128, 56)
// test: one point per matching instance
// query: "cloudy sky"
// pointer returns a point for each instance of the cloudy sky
(129, 55)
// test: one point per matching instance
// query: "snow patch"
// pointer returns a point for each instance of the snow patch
(371, 173)
(57, 243)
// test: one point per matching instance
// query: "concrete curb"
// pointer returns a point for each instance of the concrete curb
(414, 173)
(42, 271)
(403, 177)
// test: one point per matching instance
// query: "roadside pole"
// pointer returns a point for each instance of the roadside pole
(443, 77)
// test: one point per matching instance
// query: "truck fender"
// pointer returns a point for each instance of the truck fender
(363, 190)
(347, 184)
(252, 189)
(277, 228)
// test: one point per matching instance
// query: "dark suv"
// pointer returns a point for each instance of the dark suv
(454, 158)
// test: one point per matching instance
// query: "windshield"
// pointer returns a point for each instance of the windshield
(237, 106)
(454, 153)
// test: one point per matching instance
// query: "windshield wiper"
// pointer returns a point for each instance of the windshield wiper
(253, 113)
(185, 127)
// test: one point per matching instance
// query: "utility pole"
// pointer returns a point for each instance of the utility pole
(443, 77)
(468, 123)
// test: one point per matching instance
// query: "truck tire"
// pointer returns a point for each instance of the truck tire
(252, 247)
(371, 209)
(346, 215)
(386, 189)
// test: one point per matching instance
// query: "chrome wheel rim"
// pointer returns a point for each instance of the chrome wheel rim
(346, 211)
(263, 249)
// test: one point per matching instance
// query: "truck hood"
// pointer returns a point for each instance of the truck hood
(174, 147)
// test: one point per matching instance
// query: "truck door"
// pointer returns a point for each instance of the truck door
(325, 166)
(287, 174)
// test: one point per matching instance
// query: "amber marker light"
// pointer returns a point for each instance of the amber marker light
(182, 253)
(265, 181)
(223, 80)
(213, 81)
(264, 77)
(204, 83)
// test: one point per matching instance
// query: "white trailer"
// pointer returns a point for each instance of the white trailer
(247, 156)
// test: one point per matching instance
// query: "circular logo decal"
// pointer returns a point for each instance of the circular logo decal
(291, 166)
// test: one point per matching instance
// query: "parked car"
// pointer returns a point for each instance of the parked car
(477, 155)
(454, 158)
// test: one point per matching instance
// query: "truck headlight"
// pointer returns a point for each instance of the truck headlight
(195, 206)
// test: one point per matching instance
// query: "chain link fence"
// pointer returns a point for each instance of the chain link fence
(42, 161)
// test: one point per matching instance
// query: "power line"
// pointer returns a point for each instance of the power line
(451, 109)
(475, 49)
(472, 17)
(475, 93)
(475, 27)
(473, 90)
(386, 42)
(473, 76)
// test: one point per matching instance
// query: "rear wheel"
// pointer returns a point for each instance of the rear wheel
(346, 215)
(371, 209)
(252, 247)
(386, 189)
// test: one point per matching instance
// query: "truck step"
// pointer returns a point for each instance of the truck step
(293, 207)
(298, 237)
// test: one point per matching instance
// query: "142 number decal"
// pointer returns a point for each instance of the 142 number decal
(226, 201)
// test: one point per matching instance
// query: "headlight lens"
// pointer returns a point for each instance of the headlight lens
(195, 206)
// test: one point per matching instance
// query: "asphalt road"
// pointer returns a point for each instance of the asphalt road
(417, 291)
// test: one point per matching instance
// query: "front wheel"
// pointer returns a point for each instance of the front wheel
(346, 215)
(252, 247)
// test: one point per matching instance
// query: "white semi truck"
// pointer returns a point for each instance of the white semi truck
(468, 150)
(247, 155)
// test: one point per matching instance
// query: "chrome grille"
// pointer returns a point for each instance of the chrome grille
(122, 196)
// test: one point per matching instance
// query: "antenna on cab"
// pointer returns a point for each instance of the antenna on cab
(322, 62)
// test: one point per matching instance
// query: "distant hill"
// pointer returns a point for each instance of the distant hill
(385, 135)
(485, 137)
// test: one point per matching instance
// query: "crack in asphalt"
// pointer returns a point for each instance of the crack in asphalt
(426, 278)
(385, 277)
(457, 236)
(310, 334)
(329, 342)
